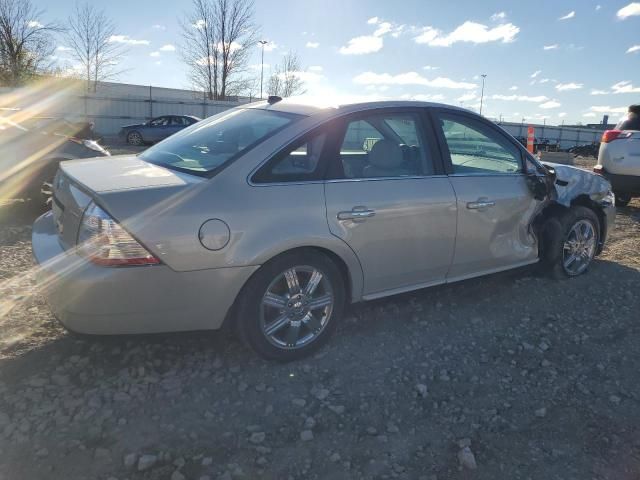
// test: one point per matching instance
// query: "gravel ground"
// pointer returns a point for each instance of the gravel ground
(512, 376)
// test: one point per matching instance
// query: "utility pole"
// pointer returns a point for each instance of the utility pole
(262, 43)
(484, 75)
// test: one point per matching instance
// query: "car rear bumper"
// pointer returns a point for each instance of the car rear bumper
(629, 184)
(87, 298)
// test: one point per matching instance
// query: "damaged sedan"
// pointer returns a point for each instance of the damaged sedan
(269, 218)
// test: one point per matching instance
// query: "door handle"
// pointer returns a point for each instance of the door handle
(480, 204)
(357, 213)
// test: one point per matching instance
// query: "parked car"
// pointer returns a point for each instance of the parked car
(156, 129)
(32, 149)
(619, 157)
(270, 217)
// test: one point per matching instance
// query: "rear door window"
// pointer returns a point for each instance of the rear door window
(380, 145)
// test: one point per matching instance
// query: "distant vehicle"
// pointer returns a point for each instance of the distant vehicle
(156, 129)
(273, 216)
(33, 148)
(619, 157)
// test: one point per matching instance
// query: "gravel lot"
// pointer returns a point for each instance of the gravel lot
(511, 376)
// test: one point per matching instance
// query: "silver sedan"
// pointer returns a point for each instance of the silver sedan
(270, 218)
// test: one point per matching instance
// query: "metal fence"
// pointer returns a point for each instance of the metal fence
(117, 104)
(114, 105)
(565, 137)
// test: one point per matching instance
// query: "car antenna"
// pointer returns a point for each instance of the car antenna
(273, 99)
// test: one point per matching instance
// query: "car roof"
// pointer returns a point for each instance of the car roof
(311, 106)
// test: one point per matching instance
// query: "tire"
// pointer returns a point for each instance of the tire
(622, 199)
(286, 324)
(135, 138)
(569, 238)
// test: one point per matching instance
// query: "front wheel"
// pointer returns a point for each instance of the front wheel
(573, 243)
(290, 307)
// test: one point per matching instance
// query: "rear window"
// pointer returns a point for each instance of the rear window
(632, 122)
(205, 147)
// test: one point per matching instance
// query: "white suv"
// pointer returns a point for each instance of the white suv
(619, 157)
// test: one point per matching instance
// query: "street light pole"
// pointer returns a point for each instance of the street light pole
(262, 43)
(484, 75)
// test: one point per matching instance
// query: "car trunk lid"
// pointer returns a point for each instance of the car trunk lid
(104, 180)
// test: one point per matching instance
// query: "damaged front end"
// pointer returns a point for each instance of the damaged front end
(564, 187)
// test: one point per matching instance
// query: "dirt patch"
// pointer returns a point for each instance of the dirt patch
(515, 374)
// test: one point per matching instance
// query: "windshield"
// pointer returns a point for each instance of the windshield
(208, 145)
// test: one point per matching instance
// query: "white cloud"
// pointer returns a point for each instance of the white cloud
(315, 68)
(599, 92)
(422, 97)
(154, 54)
(157, 26)
(62, 48)
(589, 115)
(625, 87)
(608, 109)
(383, 28)
(410, 78)
(513, 88)
(363, 44)
(520, 98)
(312, 45)
(430, 67)
(551, 47)
(629, 11)
(498, 16)
(550, 104)
(562, 114)
(563, 87)
(373, 20)
(168, 48)
(598, 7)
(544, 80)
(470, 32)
(467, 97)
(635, 48)
(568, 16)
(127, 40)
(34, 24)
(158, 62)
(270, 46)
(536, 73)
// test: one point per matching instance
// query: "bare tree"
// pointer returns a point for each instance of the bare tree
(286, 79)
(25, 43)
(217, 39)
(88, 34)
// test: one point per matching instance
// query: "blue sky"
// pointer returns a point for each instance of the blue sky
(569, 61)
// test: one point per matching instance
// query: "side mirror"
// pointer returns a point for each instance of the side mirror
(540, 185)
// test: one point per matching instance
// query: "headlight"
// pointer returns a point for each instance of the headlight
(106, 243)
(609, 198)
(95, 146)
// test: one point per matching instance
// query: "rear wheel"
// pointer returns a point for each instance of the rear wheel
(622, 199)
(134, 138)
(290, 307)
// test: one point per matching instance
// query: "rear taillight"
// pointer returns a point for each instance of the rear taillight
(611, 135)
(103, 241)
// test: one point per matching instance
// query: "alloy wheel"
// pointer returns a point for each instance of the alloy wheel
(579, 247)
(296, 307)
(135, 138)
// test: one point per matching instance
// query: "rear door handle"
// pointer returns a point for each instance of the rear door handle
(356, 213)
(480, 204)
